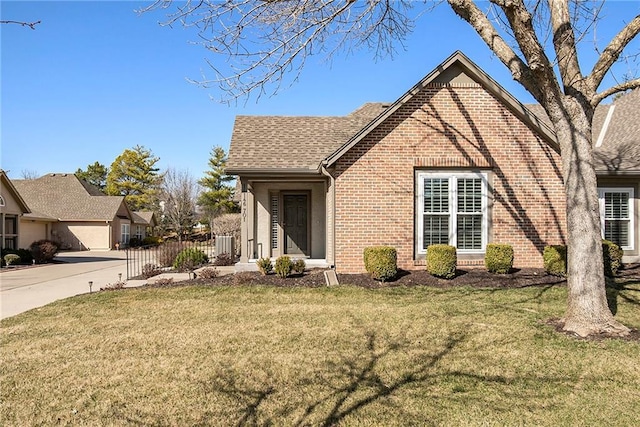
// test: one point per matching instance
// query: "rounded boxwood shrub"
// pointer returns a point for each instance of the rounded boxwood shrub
(442, 261)
(298, 266)
(611, 257)
(190, 258)
(283, 266)
(11, 259)
(381, 262)
(554, 258)
(265, 266)
(498, 258)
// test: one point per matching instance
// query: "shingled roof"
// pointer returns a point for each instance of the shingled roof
(66, 198)
(290, 143)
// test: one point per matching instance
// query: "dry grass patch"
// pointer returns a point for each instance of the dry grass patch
(325, 356)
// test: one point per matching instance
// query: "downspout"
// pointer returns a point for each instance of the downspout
(332, 181)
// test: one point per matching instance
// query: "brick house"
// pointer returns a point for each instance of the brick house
(456, 159)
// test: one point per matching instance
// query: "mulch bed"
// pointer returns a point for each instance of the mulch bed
(477, 277)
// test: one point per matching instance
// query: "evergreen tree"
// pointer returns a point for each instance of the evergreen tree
(133, 174)
(95, 174)
(217, 195)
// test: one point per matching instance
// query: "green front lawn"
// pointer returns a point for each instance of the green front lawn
(324, 356)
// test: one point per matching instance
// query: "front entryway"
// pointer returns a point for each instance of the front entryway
(296, 228)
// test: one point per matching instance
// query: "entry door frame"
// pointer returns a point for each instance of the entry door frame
(283, 239)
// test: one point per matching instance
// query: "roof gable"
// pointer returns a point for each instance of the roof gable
(7, 189)
(65, 197)
(460, 70)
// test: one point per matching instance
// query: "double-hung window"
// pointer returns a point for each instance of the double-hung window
(125, 233)
(452, 209)
(616, 215)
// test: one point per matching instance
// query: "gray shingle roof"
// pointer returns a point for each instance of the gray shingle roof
(292, 143)
(143, 217)
(65, 197)
(619, 149)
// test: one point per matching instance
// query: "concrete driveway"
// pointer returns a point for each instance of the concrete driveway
(32, 287)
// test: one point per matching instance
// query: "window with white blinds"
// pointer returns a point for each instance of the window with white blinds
(616, 216)
(451, 209)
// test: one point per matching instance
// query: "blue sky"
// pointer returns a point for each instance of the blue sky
(95, 78)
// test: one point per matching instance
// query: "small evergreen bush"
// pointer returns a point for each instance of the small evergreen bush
(611, 257)
(554, 258)
(381, 262)
(498, 258)
(11, 259)
(442, 261)
(265, 266)
(283, 266)
(43, 251)
(190, 258)
(298, 266)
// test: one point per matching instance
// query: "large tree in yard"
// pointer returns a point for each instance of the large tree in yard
(133, 174)
(217, 195)
(536, 40)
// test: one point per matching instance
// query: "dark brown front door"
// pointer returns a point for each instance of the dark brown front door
(295, 224)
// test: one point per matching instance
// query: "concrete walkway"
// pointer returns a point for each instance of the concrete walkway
(23, 289)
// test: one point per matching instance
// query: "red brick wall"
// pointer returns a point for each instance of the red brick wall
(455, 128)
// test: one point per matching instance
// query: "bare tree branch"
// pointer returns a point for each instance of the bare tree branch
(631, 84)
(612, 52)
(564, 43)
(31, 25)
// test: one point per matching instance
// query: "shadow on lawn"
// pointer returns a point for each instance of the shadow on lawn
(353, 383)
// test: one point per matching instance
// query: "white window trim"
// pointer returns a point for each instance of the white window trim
(629, 190)
(453, 207)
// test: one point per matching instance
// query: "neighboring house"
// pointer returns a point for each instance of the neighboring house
(12, 208)
(74, 213)
(143, 224)
(455, 160)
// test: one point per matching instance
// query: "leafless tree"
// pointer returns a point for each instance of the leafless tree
(29, 174)
(179, 194)
(267, 42)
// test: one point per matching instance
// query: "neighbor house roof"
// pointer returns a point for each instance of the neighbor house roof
(143, 217)
(65, 197)
(5, 183)
(289, 144)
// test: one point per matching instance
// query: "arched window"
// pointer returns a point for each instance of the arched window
(1, 201)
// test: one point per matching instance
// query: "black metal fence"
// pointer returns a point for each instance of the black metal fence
(147, 258)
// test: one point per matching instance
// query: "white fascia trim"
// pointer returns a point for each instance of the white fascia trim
(605, 125)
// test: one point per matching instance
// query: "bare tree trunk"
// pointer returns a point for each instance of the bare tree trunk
(587, 309)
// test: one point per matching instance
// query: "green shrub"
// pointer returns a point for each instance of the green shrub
(381, 262)
(298, 266)
(151, 241)
(554, 258)
(283, 266)
(498, 258)
(265, 266)
(611, 257)
(11, 259)
(43, 251)
(442, 261)
(190, 258)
